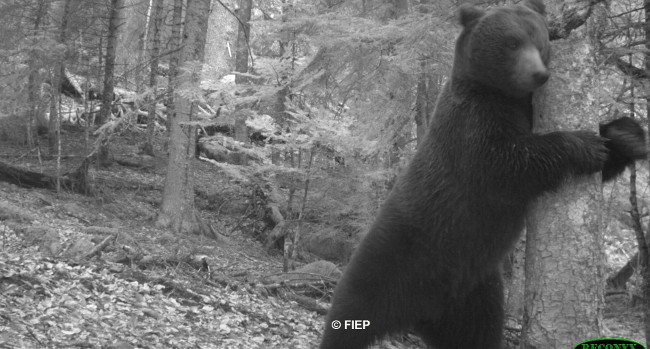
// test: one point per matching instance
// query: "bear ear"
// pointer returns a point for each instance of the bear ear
(469, 13)
(536, 5)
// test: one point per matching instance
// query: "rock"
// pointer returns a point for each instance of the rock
(79, 248)
(9, 211)
(46, 238)
(328, 246)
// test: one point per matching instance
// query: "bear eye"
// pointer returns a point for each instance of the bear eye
(512, 43)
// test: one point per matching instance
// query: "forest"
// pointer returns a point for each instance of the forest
(198, 173)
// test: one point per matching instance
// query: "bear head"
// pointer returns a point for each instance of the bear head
(504, 49)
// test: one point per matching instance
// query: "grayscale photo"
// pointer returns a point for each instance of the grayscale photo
(324, 174)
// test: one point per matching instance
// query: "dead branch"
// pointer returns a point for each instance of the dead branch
(100, 247)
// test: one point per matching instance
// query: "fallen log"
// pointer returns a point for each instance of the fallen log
(74, 181)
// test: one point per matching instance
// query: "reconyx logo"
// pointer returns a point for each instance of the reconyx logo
(609, 343)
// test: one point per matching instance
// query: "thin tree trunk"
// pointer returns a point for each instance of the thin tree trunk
(144, 44)
(427, 93)
(155, 26)
(643, 243)
(55, 100)
(292, 188)
(39, 104)
(58, 149)
(636, 221)
(243, 35)
(177, 209)
(421, 106)
(59, 70)
(296, 235)
(33, 80)
(109, 75)
(284, 36)
(619, 279)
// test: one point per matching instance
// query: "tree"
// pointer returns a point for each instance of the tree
(59, 70)
(624, 40)
(33, 84)
(155, 29)
(643, 243)
(175, 44)
(177, 209)
(243, 38)
(564, 250)
(425, 99)
(109, 74)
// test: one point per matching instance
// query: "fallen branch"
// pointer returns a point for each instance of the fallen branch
(100, 247)
(307, 303)
(294, 285)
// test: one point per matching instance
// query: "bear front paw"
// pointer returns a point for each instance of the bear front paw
(591, 152)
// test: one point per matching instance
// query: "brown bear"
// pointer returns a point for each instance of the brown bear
(431, 260)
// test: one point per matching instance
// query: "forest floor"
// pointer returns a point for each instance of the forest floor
(53, 298)
(157, 294)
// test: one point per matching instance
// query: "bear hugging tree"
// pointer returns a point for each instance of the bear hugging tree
(430, 262)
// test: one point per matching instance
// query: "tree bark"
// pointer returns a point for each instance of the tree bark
(564, 246)
(421, 109)
(109, 74)
(513, 280)
(643, 243)
(109, 60)
(34, 81)
(425, 100)
(177, 210)
(59, 70)
(243, 35)
(175, 43)
(396, 8)
(155, 26)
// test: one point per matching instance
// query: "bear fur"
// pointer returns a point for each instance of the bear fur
(431, 260)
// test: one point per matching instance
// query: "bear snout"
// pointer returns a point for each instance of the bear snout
(530, 71)
(540, 78)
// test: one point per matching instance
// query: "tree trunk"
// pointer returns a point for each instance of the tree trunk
(55, 100)
(425, 100)
(130, 41)
(291, 243)
(564, 246)
(513, 281)
(155, 26)
(139, 7)
(241, 130)
(34, 81)
(219, 51)
(643, 243)
(177, 210)
(618, 280)
(243, 35)
(54, 132)
(421, 101)
(109, 74)
(175, 44)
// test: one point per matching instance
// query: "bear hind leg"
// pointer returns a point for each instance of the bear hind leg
(476, 321)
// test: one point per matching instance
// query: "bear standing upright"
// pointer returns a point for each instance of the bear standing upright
(431, 260)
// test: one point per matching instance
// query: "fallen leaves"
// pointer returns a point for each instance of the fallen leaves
(47, 304)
